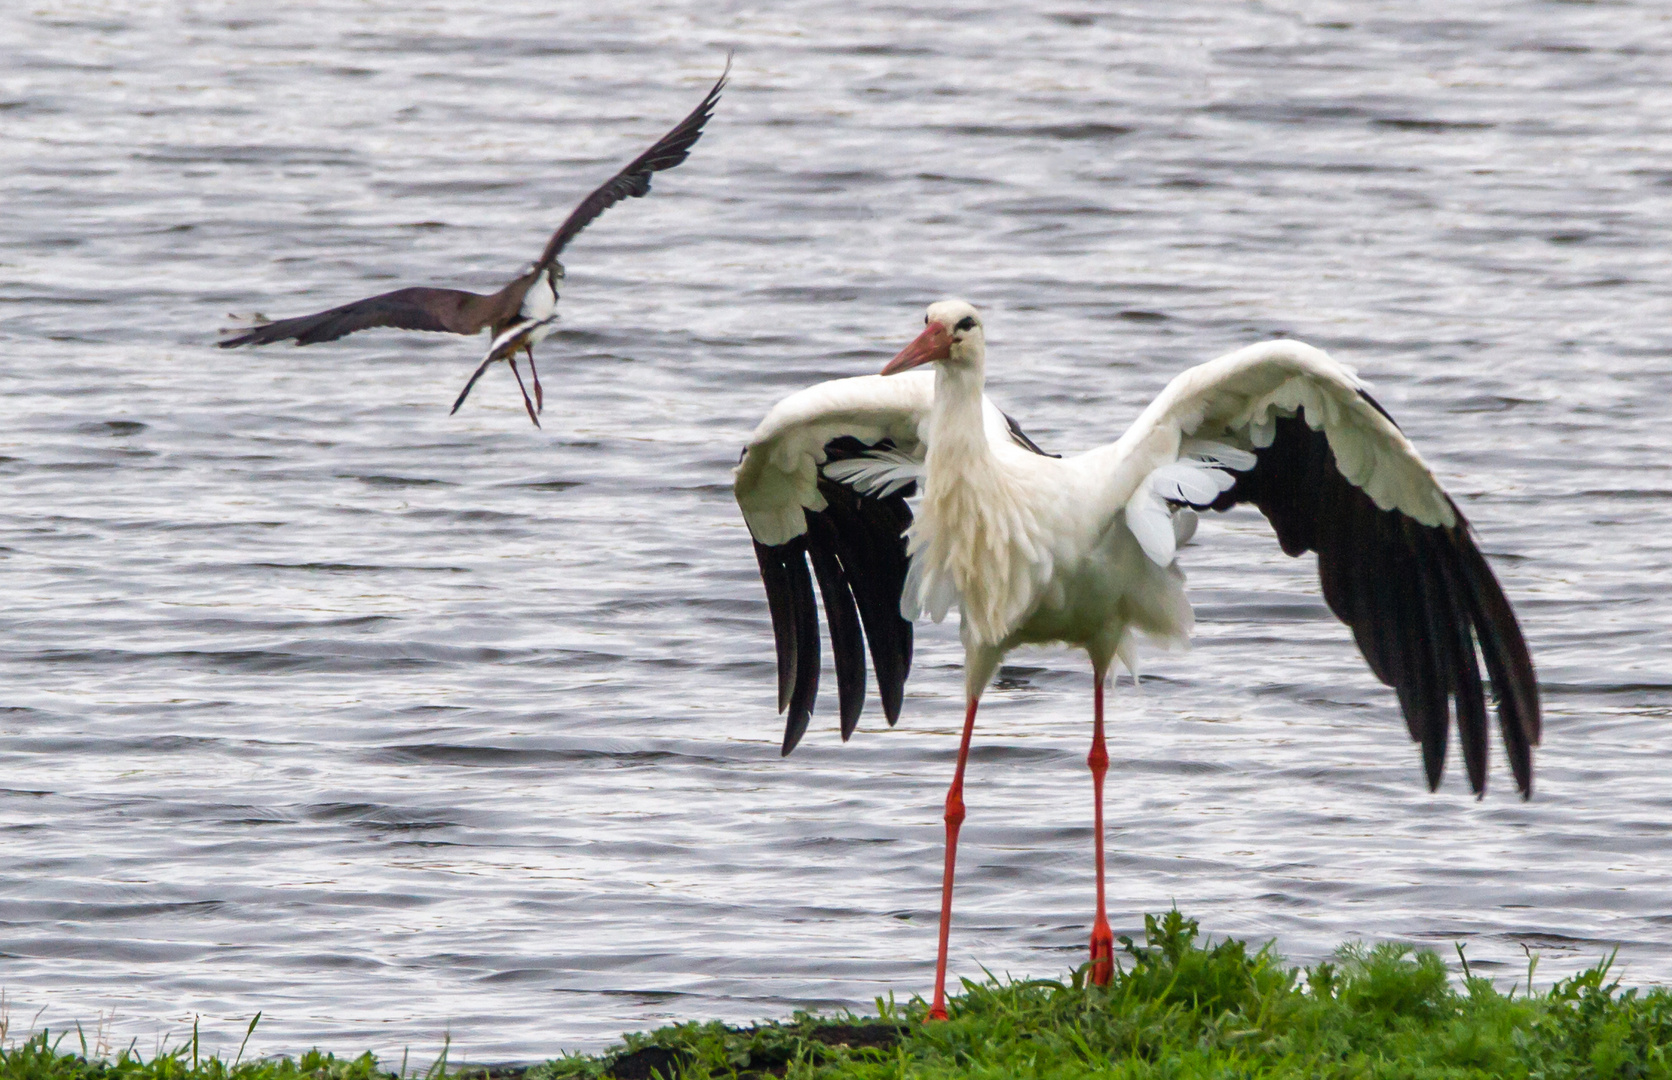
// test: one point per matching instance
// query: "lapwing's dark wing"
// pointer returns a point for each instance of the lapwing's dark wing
(1420, 599)
(418, 308)
(634, 180)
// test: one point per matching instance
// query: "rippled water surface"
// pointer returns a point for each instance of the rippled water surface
(390, 724)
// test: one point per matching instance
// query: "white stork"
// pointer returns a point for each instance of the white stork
(1032, 548)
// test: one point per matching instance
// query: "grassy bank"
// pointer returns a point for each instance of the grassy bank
(1178, 1008)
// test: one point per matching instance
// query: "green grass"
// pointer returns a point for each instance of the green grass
(1177, 1008)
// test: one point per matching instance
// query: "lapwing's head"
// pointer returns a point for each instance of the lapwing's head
(952, 337)
(552, 273)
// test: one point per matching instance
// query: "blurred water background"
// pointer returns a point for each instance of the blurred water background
(395, 726)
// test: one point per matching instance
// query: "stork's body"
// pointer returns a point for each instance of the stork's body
(1020, 542)
(1034, 549)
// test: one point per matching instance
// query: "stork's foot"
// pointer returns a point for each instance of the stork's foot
(1102, 953)
(937, 1012)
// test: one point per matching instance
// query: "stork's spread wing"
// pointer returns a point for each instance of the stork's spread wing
(827, 474)
(634, 180)
(417, 308)
(1284, 427)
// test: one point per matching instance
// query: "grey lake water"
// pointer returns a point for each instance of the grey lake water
(397, 726)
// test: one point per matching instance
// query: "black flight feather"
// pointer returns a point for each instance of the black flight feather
(1020, 437)
(847, 642)
(858, 550)
(418, 308)
(775, 574)
(1424, 607)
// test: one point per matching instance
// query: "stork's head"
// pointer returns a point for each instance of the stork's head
(952, 336)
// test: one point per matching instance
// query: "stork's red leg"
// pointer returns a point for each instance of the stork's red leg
(539, 394)
(1102, 941)
(954, 819)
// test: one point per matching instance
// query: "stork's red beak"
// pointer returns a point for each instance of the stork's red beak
(935, 343)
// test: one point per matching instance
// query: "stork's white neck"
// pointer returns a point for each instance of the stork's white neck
(958, 428)
(975, 534)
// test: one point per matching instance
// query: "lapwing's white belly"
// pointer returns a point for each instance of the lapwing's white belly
(540, 330)
(540, 301)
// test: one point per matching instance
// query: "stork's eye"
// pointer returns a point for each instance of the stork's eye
(966, 323)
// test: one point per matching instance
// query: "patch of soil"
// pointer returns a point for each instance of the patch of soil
(775, 1062)
(650, 1062)
(764, 1062)
(490, 1072)
(858, 1036)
